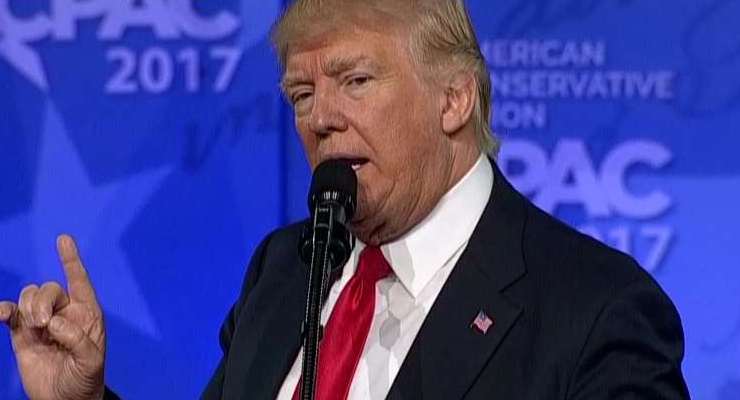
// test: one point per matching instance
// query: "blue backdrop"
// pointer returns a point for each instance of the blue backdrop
(154, 132)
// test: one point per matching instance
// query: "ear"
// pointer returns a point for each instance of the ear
(460, 96)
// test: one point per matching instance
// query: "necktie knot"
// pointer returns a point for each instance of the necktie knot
(372, 265)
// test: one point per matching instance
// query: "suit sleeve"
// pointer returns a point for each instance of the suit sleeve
(215, 386)
(634, 349)
(110, 395)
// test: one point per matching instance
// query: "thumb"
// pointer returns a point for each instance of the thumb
(74, 339)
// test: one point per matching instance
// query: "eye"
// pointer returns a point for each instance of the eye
(300, 96)
(358, 80)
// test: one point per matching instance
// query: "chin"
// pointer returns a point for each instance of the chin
(369, 225)
(366, 231)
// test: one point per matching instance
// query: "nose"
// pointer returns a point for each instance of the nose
(327, 115)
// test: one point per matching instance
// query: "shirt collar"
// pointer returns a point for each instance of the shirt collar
(417, 256)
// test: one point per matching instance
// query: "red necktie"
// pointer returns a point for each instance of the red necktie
(346, 331)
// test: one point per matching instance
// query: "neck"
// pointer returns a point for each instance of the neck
(460, 161)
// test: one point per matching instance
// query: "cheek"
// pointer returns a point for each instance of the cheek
(407, 140)
(374, 184)
(390, 132)
(310, 145)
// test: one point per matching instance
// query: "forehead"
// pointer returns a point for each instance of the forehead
(335, 50)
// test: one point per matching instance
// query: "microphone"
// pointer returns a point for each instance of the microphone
(325, 246)
(332, 203)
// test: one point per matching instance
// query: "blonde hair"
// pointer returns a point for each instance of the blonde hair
(441, 34)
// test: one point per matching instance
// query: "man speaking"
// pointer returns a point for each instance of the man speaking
(457, 287)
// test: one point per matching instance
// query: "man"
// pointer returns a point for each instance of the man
(458, 286)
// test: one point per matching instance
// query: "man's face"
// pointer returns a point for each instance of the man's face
(358, 95)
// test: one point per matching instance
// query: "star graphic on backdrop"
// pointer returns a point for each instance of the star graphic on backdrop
(22, 57)
(65, 200)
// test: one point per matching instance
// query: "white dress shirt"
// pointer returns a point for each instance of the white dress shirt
(421, 261)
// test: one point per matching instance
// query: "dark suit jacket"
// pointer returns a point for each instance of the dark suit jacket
(573, 319)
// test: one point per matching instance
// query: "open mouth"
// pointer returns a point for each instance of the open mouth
(358, 163)
(355, 163)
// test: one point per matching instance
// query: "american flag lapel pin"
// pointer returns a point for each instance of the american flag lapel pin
(482, 322)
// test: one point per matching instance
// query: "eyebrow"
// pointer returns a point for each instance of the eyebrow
(288, 82)
(337, 66)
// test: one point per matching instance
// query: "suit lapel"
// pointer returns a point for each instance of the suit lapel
(448, 353)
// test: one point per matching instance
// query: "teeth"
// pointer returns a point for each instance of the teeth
(356, 166)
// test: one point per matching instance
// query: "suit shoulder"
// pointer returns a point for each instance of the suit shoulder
(283, 237)
(274, 258)
(575, 277)
(277, 247)
(557, 252)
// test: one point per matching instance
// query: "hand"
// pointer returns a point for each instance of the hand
(59, 338)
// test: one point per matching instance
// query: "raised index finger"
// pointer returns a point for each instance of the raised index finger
(78, 283)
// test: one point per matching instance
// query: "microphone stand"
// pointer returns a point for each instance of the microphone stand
(325, 247)
(317, 286)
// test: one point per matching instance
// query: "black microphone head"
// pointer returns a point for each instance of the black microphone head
(334, 180)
